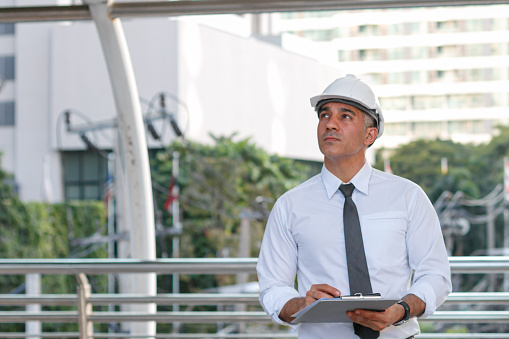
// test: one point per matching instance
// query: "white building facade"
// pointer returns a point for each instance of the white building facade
(215, 82)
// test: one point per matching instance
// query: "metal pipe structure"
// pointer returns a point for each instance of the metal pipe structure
(492, 298)
(178, 8)
(460, 265)
(209, 266)
(210, 317)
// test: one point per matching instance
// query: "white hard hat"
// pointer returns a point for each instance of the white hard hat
(354, 92)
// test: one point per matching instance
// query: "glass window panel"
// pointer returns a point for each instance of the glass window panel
(474, 25)
(475, 50)
(7, 29)
(7, 67)
(7, 114)
(396, 103)
(427, 129)
(448, 51)
(91, 167)
(71, 167)
(395, 29)
(396, 78)
(396, 129)
(498, 24)
(91, 192)
(497, 49)
(419, 52)
(467, 127)
(72, 192)
(396, 53)
(447, 26)
(498, 99)
(84, 175)
(415, 27)
(474, 74)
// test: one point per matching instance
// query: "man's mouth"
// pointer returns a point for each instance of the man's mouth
(330, 138)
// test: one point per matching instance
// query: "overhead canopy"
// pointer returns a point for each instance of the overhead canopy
(177, 8)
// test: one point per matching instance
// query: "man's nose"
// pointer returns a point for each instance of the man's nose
(333, 124)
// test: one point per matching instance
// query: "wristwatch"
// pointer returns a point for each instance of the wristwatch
(406, 316)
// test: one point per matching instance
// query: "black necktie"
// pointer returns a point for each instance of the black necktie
(358, 275)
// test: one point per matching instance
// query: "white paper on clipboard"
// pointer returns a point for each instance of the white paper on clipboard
(333, 310)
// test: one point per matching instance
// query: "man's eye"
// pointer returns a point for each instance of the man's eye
(346, 116)
(324, 115)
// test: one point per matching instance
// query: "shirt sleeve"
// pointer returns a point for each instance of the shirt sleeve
(427, 254)
(277, 264)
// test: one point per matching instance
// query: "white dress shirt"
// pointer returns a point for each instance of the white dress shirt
(401, 233)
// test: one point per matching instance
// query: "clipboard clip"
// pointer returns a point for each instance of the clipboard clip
(358, 296)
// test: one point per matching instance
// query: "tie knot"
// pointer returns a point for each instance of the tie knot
(347, 189)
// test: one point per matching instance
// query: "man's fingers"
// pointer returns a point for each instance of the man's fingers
(319, 291)
(326, 289)
(374, 320)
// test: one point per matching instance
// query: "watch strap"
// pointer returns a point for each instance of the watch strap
(406, 316)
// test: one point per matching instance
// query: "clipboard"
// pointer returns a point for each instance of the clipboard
(333, 310)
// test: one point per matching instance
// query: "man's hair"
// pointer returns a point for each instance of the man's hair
(369, 120)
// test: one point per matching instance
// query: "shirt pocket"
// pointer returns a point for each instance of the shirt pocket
(384, 237)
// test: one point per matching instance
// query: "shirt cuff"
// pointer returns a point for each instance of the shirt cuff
(273, 302)
(425, 292)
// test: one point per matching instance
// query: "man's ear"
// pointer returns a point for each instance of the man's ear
(371, 134)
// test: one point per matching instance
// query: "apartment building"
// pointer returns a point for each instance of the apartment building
(440, 72)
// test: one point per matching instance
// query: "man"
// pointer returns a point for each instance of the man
(305, 235)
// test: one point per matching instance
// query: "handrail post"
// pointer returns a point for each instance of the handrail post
(84, 307)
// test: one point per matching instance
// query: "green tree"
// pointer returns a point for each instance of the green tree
(420, 161)
(218, 182)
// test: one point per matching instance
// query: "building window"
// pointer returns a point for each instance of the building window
(368, 30)
(395, 103)
(471, 100)
(467, 127)
(427, 129)
(396, 53)
(395, 29)
(414, 28)
(318, 34)
(422, 102)
(7, 113)
(474, 25)
(419, 52)
(85, 175)
(6, 29)
(362, 54)
(448, 51)
(447, 26)
(474, 74)
(396, 128)
(7, 68)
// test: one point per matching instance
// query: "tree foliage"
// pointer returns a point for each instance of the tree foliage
(473, 169)
(219, 183)
(39, 230)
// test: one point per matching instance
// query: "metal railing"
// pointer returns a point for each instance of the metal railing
(84, 301)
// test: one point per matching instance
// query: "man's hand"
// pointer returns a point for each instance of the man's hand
(316, 292)
(380, 320)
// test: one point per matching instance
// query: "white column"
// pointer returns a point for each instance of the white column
(137, 169)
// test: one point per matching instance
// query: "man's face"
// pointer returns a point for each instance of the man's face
(341, 131)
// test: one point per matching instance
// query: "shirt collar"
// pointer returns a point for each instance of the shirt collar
(360, 180)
